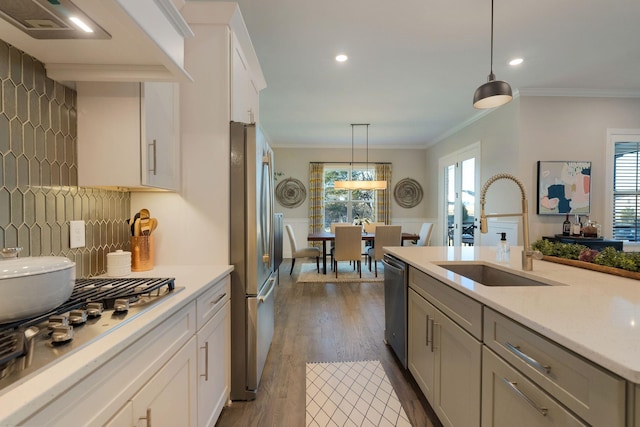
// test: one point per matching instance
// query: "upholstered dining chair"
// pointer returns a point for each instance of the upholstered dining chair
(425, 234)
(347, 246)
(369, 227)
(332, 227)
(386, 235)
(296, 252)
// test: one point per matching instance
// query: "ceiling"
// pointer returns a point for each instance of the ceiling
(414, 65)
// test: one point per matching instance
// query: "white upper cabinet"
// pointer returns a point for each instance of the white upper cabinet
(144, 42)
(244, 93)
(128, 135)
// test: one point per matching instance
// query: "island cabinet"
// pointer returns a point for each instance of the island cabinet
(128, 135)
(548, 380)
(444, 348)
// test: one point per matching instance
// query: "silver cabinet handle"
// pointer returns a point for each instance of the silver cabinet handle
(545, 369)
(155, 157)
(206, 361)
(427, 334)
(514, 387)
(218, 299)
(433, 332)
(147, 418)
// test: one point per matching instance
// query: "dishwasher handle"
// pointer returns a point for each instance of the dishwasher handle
(393, 265)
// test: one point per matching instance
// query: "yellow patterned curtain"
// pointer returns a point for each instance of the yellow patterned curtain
(383, 173)
(316, 197)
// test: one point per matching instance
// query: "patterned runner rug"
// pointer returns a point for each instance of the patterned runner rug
(352, 394)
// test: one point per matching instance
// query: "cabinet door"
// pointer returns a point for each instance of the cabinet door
(422, 357)
(458, 373)
(244, 94)
(160, 143)
(124, 417)
(510, 399)
(213, 367)
(169, 398)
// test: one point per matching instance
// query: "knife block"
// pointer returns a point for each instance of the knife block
(141, 253)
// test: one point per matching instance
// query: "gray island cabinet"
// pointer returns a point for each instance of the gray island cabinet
(491, 356)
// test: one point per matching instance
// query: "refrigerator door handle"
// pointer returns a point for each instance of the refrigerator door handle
(272, 285)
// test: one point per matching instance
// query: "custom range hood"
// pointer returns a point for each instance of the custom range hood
(50, 19)
(126, 40)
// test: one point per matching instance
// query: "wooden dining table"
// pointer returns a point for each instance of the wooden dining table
(326, 236)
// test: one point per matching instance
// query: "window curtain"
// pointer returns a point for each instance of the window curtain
(316, 198)
(383, 173)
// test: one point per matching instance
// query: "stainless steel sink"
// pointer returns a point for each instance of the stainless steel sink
(491, 276)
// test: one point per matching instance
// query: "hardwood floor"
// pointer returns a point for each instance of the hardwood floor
(322, 322)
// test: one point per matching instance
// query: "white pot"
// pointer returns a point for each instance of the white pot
(34, 285)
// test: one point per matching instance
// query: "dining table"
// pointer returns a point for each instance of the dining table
(327, 236)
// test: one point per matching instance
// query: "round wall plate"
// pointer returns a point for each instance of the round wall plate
(408, 193)
(290, 193)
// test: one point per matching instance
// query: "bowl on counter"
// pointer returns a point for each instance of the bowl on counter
(33, 285)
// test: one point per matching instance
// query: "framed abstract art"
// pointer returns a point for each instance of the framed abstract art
(564, 187)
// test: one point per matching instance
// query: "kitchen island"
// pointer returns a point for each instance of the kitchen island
(593, 315)
(50, 392)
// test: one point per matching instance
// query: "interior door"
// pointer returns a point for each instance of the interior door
(460, 183)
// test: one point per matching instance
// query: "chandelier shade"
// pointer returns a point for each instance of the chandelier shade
(360, 184)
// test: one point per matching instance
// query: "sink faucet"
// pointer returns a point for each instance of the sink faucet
(527, 253)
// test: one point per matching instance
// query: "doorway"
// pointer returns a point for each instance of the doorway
(459, 184)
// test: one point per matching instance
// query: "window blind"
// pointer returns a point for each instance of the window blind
(626, 194)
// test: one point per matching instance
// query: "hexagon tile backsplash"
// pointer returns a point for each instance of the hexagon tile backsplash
(39, 191)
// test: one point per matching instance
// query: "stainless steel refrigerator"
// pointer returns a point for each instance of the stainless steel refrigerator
(253, 279)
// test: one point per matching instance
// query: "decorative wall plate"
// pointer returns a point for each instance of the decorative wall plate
(408, 193)
(290, 193)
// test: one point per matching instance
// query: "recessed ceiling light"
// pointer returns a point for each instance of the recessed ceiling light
(516, 61)
(342, 57)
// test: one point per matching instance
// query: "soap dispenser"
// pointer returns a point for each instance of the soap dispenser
(504, 251)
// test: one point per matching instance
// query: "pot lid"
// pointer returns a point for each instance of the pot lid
(29, 266)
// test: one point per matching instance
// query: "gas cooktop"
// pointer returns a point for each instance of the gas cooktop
(95, 307)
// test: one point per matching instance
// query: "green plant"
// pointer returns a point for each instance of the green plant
(607, 257)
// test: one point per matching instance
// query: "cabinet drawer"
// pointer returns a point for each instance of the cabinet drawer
(592, 393)
(510, 399)
(463, 310)
(212, 300)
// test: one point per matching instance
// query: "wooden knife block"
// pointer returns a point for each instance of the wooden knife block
(141, 253)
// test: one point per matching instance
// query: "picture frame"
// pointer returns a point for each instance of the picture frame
(564, 188)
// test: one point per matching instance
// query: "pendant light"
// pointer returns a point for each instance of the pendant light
(360, 184)
(494, 93)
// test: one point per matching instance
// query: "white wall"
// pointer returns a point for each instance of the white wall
(563, 128)
(514, 137)
(193, 226)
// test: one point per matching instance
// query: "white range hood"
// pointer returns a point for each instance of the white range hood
(146, 42)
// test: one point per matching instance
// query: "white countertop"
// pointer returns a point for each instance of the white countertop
(49, 382)
(596, 315)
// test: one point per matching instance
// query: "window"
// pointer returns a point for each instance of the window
(624, 155)
(345, 205)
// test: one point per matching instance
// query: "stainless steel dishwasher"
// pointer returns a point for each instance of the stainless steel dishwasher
(395, 306)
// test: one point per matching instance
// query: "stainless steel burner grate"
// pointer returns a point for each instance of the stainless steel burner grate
(100, 290)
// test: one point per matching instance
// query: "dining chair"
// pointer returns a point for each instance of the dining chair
(309, 252)
(369, 228)
(347, 246)
(425, 234)
(386, 235)
(333, 226)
